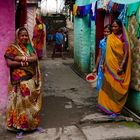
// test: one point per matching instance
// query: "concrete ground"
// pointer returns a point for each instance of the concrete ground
(69, 109)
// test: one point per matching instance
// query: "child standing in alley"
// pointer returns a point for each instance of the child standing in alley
(100, 58)
(58, 43)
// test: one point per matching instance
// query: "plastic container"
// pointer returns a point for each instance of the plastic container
(92, 79)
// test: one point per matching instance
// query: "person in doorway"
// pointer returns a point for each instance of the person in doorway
(39, 37)
(114, 90)
(58, 44)
(65, 39)
(24, 89)
(47, 32)
(100, 58)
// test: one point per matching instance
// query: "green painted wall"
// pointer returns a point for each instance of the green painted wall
(92, 45)
(84, 41)
(84, 2)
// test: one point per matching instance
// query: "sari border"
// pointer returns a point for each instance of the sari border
(105, 110)
(114, 75)
(117, 97)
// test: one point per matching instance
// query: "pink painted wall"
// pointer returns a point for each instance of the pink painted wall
(7, 35)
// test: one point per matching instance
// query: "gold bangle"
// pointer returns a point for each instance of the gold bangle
(25, 63)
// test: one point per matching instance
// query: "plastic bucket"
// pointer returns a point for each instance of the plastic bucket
(92, 79)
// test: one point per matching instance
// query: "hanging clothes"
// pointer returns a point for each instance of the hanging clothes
(93, 8)
(133, 24)
(138, 22)
(125, 1)
(75, 9)
(134, 9)
(122, 15)
(100, 14)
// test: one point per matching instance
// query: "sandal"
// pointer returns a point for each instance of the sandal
(113, 116)
(19, 135)
(40, 130)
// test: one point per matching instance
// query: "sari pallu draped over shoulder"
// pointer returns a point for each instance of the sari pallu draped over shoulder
(113, 93)
(24, 92)
(21, 73)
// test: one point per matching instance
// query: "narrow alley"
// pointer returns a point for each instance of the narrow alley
(69, 109)
(66, 95)
(48, 50)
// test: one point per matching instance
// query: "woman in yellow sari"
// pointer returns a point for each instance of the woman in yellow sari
(24, 89)
(114, 90)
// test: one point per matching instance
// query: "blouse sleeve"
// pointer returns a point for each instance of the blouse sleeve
(30, 48)
(11, 52)
(100, 44)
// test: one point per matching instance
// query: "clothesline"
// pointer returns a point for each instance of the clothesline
(106, 1)
(125, 1)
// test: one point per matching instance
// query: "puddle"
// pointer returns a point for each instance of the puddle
(60, 111)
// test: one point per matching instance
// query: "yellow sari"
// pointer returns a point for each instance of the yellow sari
(113, 93)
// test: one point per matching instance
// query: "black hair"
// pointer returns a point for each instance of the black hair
(119, 22)
(108, 26)
(22, 29)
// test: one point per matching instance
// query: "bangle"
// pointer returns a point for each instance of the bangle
(26, 58)
(120, 68)
(25, 63)
(123, 62)
(21, 63)
(23, 58)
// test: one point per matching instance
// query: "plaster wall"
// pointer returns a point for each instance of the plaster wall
(84, 41)
(7, 35)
